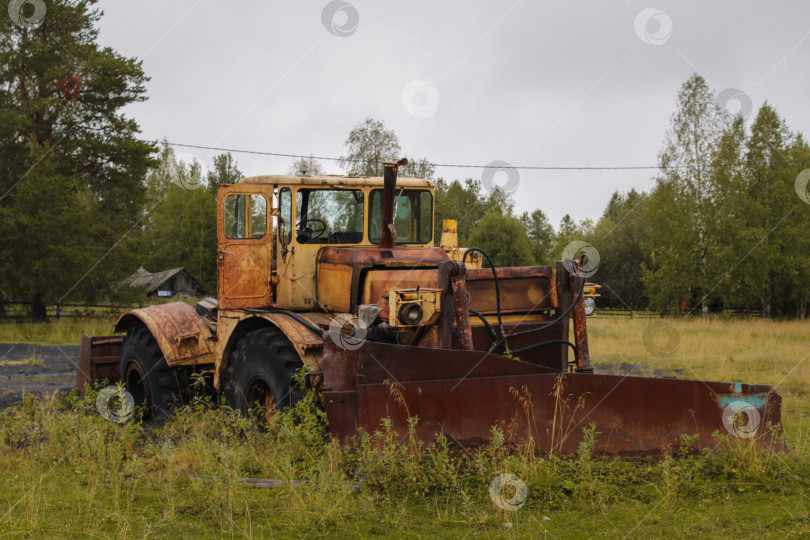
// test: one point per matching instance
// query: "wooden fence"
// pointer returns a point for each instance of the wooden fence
(24, 311)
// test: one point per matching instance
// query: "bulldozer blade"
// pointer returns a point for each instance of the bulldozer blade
(462, 395)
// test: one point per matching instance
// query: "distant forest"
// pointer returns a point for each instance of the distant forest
(84, 201)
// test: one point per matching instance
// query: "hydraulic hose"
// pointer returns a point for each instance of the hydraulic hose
(497, 291)
(486, 324)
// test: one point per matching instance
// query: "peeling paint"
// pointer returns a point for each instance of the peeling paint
(757, 401)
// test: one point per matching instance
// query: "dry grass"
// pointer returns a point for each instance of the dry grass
(33, 361)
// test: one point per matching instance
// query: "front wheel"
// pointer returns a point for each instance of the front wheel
(261, 374)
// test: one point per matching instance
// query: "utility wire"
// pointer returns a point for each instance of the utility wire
(466, 166)
(449, 165)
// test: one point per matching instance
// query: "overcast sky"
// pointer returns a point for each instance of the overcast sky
(572, 84)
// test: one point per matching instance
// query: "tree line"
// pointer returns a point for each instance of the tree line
(84, 201)
(725, 227)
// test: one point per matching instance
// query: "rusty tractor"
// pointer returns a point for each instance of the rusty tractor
(339, 276)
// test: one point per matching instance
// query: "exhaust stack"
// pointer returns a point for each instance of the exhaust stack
(388, 234)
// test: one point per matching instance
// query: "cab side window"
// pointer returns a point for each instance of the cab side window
(245, 216)
(285, 215)
(413, 219)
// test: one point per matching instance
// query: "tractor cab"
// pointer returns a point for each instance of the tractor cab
(272, 230)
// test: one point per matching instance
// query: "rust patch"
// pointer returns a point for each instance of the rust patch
(463, 394)
(99, 358)
(180, 332)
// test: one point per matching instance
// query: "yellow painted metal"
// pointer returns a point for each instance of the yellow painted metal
(334, 283)
(428, 300)
(330, 181)
(258, 271)
(449, 244)
(298, 286)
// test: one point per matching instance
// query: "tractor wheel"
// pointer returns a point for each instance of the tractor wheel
(146, 375)
(261, 372)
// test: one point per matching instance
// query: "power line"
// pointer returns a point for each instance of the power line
(466, 166)
(448, 165)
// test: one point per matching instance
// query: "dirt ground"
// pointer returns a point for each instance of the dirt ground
(38, 370)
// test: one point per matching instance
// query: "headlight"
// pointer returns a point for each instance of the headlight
(413, 307)
(590, 306)
(410, 314)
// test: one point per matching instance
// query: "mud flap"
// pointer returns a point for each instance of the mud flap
(464, 394)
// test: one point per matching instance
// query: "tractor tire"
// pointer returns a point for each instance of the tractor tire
(146, 375)
(262, 372)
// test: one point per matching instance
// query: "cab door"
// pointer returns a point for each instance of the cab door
(244, 248)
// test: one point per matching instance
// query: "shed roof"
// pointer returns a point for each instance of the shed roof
(151, 280)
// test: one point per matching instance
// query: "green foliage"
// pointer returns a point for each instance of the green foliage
(369, 145)
(686, 204)
(541, 236)
(569, 232)
(724, 218)
(180, 224)
(418, 168)
(467, 203)
(225, 171)
(71, 191)
(504, 239)
(462, 202)
(775, 215)
(621, 238)
(68, 471)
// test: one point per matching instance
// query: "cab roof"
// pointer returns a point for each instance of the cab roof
(333, 180)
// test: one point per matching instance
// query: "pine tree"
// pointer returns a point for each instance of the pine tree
(225, 171)
(70, 167)
(621, 237)
(541, 236)
(180, 224)
(770, 186)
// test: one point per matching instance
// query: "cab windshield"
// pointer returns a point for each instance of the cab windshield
(413, 217)
(329, 216)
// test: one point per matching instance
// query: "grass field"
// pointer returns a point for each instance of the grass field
(749, 351)
(67, 472)
(62, 332)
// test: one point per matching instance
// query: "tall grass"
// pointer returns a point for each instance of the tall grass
(67, 331)
(750, 351)
(67, 471)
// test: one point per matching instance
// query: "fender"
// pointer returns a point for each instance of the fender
(233, 325)
(182, 335)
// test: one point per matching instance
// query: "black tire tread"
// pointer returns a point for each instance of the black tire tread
(164, 385)
(281, 356)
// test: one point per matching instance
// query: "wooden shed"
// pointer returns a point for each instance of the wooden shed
(167, 283)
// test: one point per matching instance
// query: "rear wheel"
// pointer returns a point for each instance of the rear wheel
(261, 374)
(146, 375)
